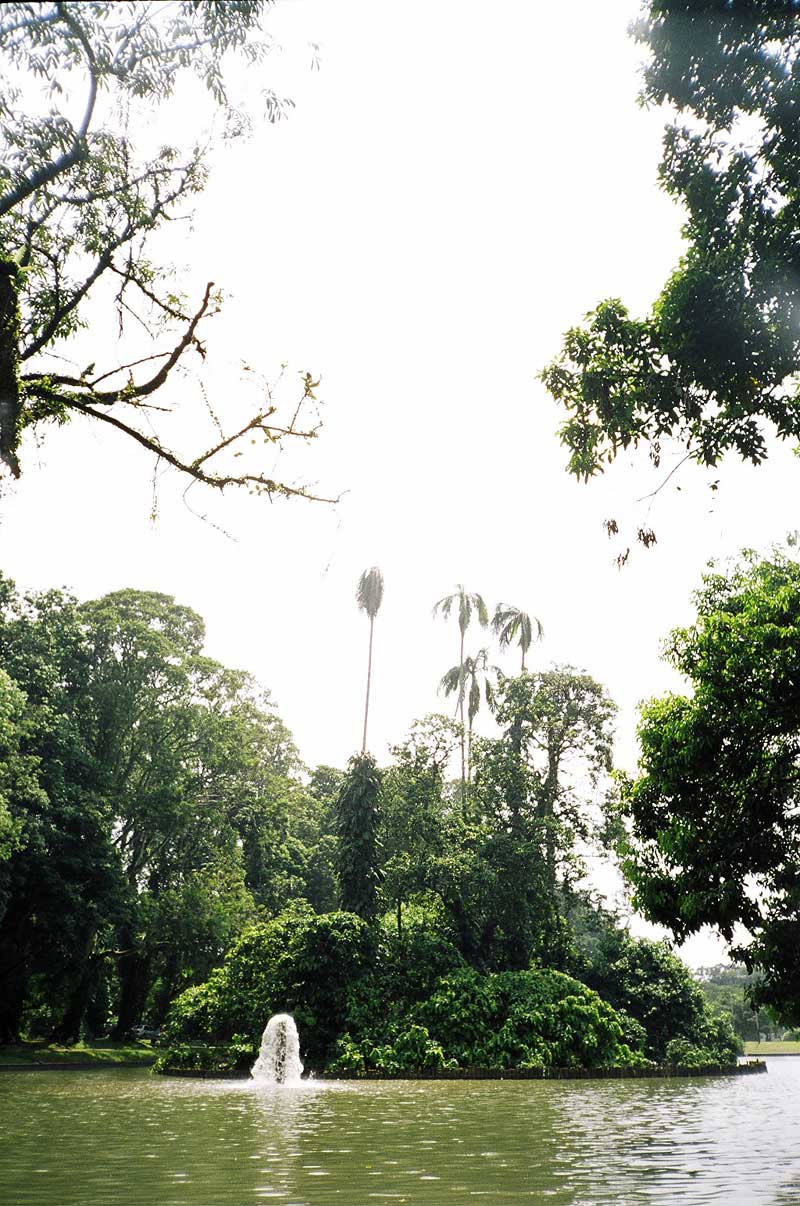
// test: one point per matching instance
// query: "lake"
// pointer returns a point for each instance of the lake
(99, 1138)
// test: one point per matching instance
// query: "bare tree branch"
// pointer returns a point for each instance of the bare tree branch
(258, 482)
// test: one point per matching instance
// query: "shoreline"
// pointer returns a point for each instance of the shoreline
(660, 1072)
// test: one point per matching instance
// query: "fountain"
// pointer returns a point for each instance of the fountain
(278, 1060)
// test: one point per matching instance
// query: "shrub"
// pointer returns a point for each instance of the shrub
(653, 986)
(504, 1020)
(301, 963)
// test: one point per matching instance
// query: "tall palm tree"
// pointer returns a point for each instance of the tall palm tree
(468, 605)
(369, 597)
(509, 622)
(467, 679)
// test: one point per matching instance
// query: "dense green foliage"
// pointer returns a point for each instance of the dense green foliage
(715, 362)
(363, 1000)
(166, 859)
(302, 962)
(729, 990)
(366, 1001)
(151, 806)
(713, 818)
(646, 981)
(523, 1019)
(357, 821)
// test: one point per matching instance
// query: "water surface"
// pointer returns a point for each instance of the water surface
(102, 1138)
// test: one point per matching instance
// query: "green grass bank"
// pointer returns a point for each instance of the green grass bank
(100, 1054)
(772, 1048)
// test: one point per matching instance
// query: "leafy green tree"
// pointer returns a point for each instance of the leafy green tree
(726, 989)
(358, 818)
(509, 624)
(18, 772)
(715, 362)
(154, 799)
(416, 822)
(713, 825)
(80, 199)
(652, 985)
(465, 681)
(467, 605)
(536, 788)
(61, 883)
(557, 743)
(298, 962)
(369, 597)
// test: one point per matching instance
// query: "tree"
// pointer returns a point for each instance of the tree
(725, 987)
(369, 597)
(61, 882)
(712, 815)
(468, 605)
(653, 986)
(536, 788)
(79, 202)
(154, 796)
(18, 773)
(558, 724)
(466, 680)
(416, 814)
(357, 828)
(509, 623)
(714, 364)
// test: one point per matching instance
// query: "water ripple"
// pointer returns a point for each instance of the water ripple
(108, 1138)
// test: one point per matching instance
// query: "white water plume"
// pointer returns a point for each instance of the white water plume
(278, 1060)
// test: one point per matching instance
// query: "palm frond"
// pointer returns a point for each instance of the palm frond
(452, 680)
(369, 592)
(509, 624)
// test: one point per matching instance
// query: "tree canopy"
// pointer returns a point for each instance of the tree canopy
(84, 188)
(715, 362)
(714, 827)
(165, 857)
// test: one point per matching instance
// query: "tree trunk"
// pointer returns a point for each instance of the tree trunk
(68, 1029)
(166, 992)
(369, 680)
(461, 717)
(12, 1002)
(9, 366)
(516, 797)
(134, 974)
(550, 794)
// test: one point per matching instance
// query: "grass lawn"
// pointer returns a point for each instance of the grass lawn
(102, 1052)
(772, 1048)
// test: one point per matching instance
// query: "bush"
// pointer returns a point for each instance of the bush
(653, 986)
(504, 1020)
(301, 963)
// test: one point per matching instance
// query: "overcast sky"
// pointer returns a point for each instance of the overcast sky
(458, 183)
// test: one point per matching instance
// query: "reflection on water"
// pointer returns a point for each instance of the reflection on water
(103, 1138)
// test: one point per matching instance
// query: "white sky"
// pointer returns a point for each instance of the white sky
(458, 184)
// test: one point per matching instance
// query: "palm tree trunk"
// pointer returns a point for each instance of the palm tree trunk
(469, 753)
(461, 717)
(369, 679)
